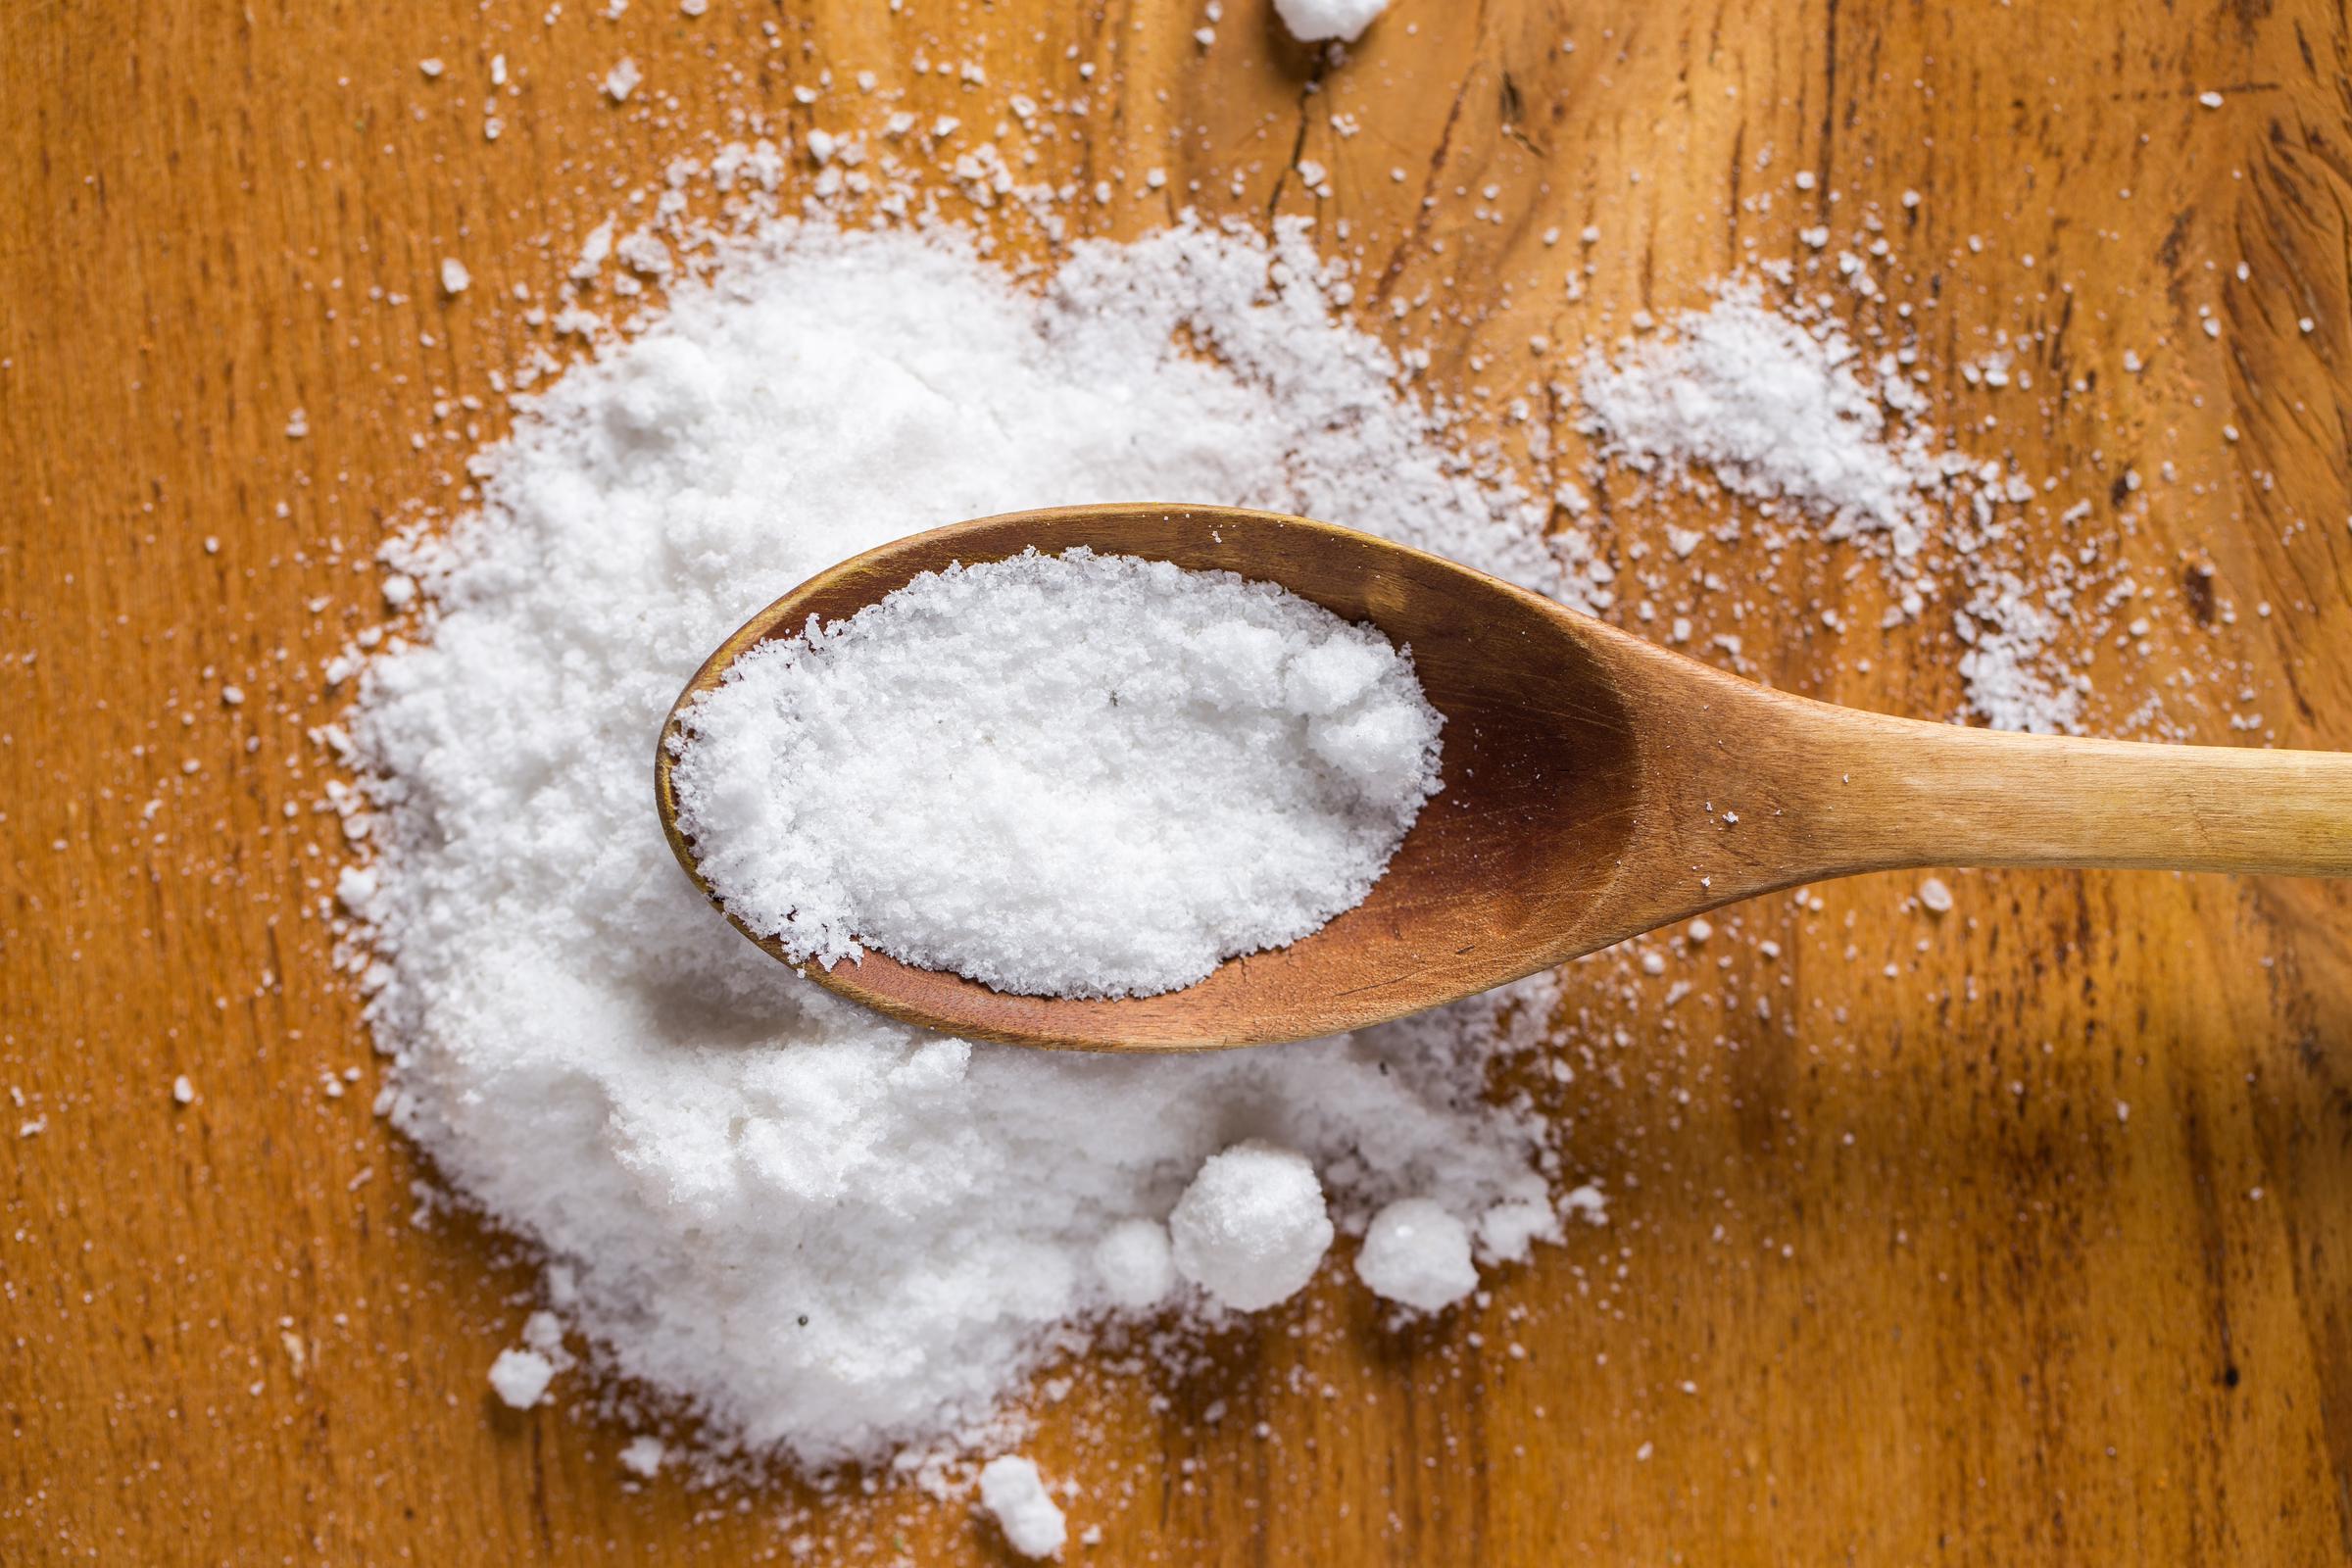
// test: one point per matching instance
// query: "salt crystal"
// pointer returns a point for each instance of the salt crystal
(455, 279)
(1252, 1228)
(184, 1090)
(1010, 1489)
(593, 251)
(644, 1455)
(622, 79)
(1316, 20)
(1508, 1230)
(520, 1377)
(1934, 896)
(1418, 1256)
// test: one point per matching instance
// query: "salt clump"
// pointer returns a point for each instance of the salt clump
(1134, 1261)
(1032, 1522)
(520, 1377)
(1314, 21)
(1079, 775)
(1418, 1256)
(1252, 1227)
(831, 1236)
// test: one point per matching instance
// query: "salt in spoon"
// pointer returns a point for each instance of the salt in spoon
(1596, 786)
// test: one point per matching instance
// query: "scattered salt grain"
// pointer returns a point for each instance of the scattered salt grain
(1252, 1228)
(1934, 896)
(622, 79)
(520, 1377)
(1131, 772)
(1418, 1256)
(1316, 20)
(644, 1455)
(1010, 1489)
(455, 279)
(184, 1090)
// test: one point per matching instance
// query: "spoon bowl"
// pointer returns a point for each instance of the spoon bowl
(1595, 786)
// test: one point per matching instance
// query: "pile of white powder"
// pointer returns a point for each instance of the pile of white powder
(1079, 775)
(834, 1237)
(1784, 409)
(1773, 408)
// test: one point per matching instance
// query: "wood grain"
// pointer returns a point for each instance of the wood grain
(2022, 1234)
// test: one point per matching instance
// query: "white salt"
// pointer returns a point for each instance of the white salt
(643, 1456)
(1314, 21)
(1252, 1227)
(834, 1237)
(1934, 896)
(1418, 1256)
(520, 1377)
(1010, 1489)
(455, 279)
(1771, 406)
(1080, 775)
(1508, 1230)
(2002, 672)
(1135, 1264)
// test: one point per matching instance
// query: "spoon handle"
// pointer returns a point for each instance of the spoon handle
(1889, 792)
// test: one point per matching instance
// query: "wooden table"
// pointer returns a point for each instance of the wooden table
(2019, 1235)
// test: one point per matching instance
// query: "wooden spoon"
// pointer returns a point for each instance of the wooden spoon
(1596, 787)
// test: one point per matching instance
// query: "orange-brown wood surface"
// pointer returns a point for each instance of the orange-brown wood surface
(2020, 1234)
